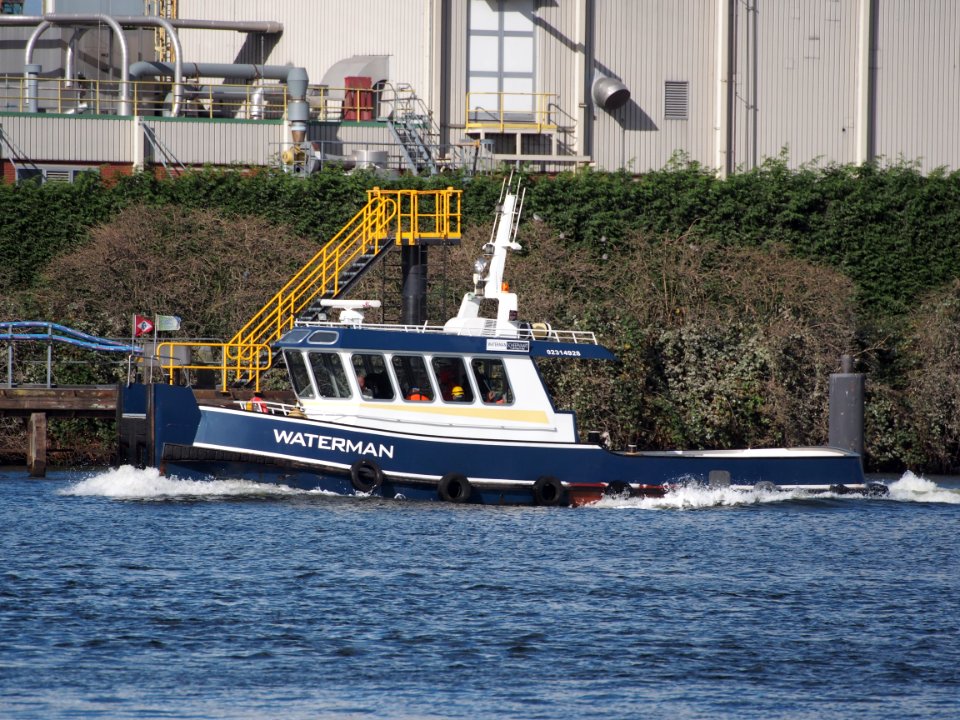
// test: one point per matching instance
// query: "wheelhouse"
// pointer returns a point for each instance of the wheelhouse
(426, 378)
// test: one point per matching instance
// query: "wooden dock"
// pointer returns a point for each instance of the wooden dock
(37, 403)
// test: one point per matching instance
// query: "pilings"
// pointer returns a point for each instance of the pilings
(37, 444)
(36, 404)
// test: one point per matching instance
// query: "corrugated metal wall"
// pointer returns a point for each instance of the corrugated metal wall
(918, 82)
(646, 43)
(195, 142)
(44, 138)
(455, 59)
(795, 67)
(559, 39)
(795, 81)
(317, 34)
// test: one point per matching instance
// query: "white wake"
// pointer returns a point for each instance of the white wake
(908, 488)
(128, 482)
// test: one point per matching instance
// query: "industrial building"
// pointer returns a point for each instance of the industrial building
(426, 86)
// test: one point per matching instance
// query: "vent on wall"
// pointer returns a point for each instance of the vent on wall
(676, 99)
(53, 174)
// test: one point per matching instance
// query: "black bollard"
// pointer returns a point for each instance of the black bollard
(847, 390)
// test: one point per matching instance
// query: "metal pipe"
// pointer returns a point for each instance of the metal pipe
(92, 19)
(69, 69)
(257, 26)
(20, 20)
(31, 72)
(32, 41)
(136, 21)
(864, 48)
(295, 77)
(722, 109)
(266, 27)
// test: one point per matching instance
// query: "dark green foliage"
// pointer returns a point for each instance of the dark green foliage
(728, 300)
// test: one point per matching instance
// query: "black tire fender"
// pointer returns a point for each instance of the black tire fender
(547, 490)
(365, 476)
(455, 488)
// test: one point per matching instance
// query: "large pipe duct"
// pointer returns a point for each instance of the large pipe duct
(609, 93)
(92, 19)
(267, 27)
(295, 77)
(128, 21)
(31, 73)
(117, 23)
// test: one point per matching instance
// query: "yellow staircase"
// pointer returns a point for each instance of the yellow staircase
(401, 217)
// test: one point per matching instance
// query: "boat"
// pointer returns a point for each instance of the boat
(456, 413)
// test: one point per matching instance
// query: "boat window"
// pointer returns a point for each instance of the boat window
(492, 383)
(452, 378)
(331, 378)
(372, 376)
(412, 375)
(299, 376)
(324, 337)
(295, 335)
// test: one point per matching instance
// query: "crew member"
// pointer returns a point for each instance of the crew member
(257, 403)
(417, 396)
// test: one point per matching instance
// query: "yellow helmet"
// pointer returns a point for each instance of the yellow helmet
(457, 391)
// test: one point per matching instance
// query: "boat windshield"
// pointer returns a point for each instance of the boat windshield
(299, 376)
(329, 373)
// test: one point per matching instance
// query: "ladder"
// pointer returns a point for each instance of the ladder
(390, 218)
(413, 130)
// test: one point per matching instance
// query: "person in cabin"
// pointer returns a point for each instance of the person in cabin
(417, 396)
(457, 394)
(257, 403)
(365, 391)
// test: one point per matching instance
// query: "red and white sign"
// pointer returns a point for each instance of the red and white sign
(142, 325)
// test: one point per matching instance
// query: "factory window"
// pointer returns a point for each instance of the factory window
(53, 174)
(500, 62)
(676, 100)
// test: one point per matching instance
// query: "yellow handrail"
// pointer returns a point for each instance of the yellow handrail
(506, 110)
(396, 213)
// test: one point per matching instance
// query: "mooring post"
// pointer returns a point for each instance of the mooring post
(847, 390)
(37, 444)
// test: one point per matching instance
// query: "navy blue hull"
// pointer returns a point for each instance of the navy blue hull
(221, 442)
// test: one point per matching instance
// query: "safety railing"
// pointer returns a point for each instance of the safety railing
(502, 111)
(147, 98)
(216, 100)
(405, 216)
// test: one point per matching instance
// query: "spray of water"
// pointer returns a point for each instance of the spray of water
(127, 482)
(909, 488)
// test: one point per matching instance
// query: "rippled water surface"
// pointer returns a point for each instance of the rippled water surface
(124, 594)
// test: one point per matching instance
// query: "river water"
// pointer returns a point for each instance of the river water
(128, 595)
